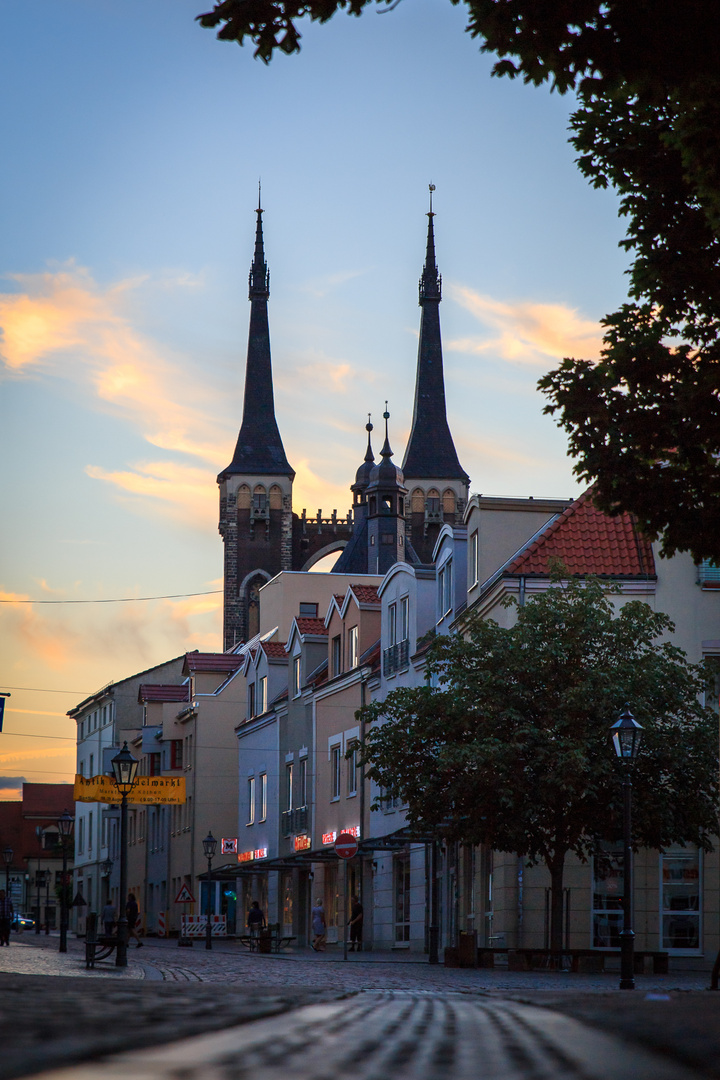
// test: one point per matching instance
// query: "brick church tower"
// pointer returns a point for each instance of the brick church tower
(436, 480)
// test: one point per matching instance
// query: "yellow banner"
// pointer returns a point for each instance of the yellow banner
(148, 790)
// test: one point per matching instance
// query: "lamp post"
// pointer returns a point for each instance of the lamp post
(65, 827)
(125, 768)
(8, 857)
(626, 737)
(39, 882)
(209, 846)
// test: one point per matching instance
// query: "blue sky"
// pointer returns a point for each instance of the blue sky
(132, 146)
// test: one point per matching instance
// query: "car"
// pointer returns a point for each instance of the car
(23, 922)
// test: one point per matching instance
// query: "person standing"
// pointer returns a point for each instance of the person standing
(355, 923)
(132, 913)
(7, 913)
(319, 927)
(255, 922)
(108, 918)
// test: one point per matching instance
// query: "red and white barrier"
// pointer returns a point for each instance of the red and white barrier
(194, 926)
(161, 924)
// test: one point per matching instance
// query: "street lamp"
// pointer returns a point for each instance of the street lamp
(125, 768)
(209, 847)
(65, 825)
(39, 882)
(626, 738)
(8, 857)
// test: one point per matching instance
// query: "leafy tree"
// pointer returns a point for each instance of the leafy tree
(512, 749)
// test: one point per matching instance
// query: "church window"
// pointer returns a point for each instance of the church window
(276, 499)
(259, 498)
(448, 501)
(418, 501)
(432, 504)
(243, 497)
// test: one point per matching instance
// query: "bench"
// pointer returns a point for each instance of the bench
(568, 959)
(97, 946)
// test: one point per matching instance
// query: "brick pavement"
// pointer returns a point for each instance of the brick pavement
(49, 1016)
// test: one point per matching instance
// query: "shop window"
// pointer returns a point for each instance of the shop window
(608, 883)
(401, 872)
(680, 899)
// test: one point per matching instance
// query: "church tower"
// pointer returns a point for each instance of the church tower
(386, 495)
(437, 482)
(256, 521)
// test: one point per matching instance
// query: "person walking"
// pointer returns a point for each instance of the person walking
(319, 927)
(355, 923)
(7, 913)
(255, 922)
(132, 913)
(108, 918)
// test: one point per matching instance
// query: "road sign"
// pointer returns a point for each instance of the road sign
(346, 846)
(184, 896)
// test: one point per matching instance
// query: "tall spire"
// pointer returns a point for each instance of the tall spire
(259, 448)
(431, 452)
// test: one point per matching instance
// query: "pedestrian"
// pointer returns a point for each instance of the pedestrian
(132, 913)
(255, 921)
(355, 922)
(319, 927)
(7, 914)
(108, 917)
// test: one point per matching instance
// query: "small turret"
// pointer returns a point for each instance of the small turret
(386, 495)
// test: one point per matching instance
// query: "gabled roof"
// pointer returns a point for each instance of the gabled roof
(220, 663)
(310, 626)
(158, 692)
(587, 541)
(366, 594)
(274, 650)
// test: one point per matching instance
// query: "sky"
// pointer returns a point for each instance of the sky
(132, 145)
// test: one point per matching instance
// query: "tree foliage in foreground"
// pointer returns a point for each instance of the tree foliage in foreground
(513, 751)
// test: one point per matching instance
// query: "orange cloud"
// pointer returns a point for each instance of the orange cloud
(526, 332)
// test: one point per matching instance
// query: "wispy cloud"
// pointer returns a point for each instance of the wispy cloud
(524, 332)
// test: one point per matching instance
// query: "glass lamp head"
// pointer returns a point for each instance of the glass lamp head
(125, 768)
(209, 846)
(626, 735)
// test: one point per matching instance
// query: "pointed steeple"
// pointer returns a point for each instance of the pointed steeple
(362, 476)
(431, 452)
(386, 494)
(259, 448)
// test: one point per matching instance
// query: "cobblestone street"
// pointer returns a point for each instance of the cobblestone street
(518, 1024)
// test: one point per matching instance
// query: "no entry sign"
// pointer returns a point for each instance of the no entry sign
(346, 845)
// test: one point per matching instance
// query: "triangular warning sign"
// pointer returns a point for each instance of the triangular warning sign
(184, 896)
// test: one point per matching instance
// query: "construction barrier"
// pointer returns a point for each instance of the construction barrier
(161, 924)
(194, 926)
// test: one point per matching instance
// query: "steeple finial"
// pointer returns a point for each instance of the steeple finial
(431, 281)
(369, 456)
(386, 452)
(259, 278)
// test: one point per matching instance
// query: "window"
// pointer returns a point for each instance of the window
(308, 611)
(392, 624)
(402, 896)
(352, 769)
(302, 782)
(92, 765)
(608, 884)
(263, 796)
(251, 800)
(289, 786)
(404, 619)
(353, 647)
(445, 602)
(708, 575)
(262, 694)
(251, 700)
(680, 899)
(297, 675)
(81, 835)
(335, 772)
(176, 754)
(154, 764)
(474, 568)
(336, 655)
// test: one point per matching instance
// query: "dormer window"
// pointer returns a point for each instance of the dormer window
(445, 600)
(262, 695)
(308, 611)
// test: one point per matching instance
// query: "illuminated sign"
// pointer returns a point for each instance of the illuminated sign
(260, 853)
(228, 845)
(354, 830)
(250, 856)
(302, 843)
(329, 837)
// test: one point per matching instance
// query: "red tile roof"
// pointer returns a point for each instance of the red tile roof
(339, 597)
(222, 663)
(275, 649)
(157, 692)
(588, 542)
(366, 594)
(48, 800)
(307, 625)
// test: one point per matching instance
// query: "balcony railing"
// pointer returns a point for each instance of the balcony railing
(396, 657)
(294, 821)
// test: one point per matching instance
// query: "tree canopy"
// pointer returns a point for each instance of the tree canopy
(511, 749)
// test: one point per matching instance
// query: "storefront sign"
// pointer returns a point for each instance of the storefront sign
(302, 843)
(228, 845)
(250, 856)
(329, 837)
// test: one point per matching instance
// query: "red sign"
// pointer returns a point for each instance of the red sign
(329, 837)
(184, 896)
(346, 846)
(228, 845)
(302, 843)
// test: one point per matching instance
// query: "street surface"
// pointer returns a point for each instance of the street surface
(230, 1015)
